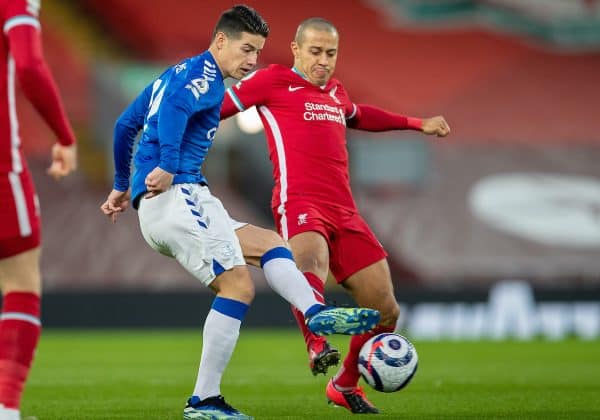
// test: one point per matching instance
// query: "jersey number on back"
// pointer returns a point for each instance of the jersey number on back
(156, 97)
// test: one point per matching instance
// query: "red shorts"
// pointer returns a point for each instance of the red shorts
(352, 244)
(19, 214)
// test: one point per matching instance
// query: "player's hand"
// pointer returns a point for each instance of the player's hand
(435, 125)
(158, 181)
(116, 203)
(64, 160)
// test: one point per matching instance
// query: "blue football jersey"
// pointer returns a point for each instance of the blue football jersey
(179, 116)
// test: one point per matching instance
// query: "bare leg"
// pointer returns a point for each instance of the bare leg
(371, 287)
(256, 241)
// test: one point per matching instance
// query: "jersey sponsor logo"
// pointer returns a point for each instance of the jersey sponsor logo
(343, 116)
(323, 112)
(302, 219)
(180, 67)
(198, 87)
(210, 134)
(295, 88)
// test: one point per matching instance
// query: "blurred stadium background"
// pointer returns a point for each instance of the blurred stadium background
(494, 231)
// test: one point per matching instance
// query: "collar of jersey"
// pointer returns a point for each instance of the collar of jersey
(299, 73)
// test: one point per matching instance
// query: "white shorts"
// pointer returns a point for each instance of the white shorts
(237, 225)
(189, 224)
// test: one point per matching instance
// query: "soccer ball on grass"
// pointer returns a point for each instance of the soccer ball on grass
(387, 362)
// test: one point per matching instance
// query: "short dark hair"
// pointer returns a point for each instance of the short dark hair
(318, 23)
(241, 18)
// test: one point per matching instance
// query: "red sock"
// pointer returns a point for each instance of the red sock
(348, 376)
(19, 333)
(319, 290)
(317, 285)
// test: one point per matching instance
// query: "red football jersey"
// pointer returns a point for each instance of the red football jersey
(20, 47)
(306, 132)
(14, 13)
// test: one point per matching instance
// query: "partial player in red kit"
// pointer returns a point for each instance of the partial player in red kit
(23, 67)
(305, 114)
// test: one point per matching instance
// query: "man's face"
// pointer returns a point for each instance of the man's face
(239, 56)
(316, 55)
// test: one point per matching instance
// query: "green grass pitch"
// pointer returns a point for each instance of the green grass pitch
(149, 374)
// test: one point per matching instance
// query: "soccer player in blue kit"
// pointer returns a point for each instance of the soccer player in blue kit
(179, 114)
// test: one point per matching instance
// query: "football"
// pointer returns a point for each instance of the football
(387, 362)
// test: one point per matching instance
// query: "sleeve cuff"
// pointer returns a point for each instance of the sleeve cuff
(170, 167)
(121, 185)
(414, 123)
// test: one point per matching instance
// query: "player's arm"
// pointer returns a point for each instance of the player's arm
(183, 99)
(172, 121)
(129, 123)
(173, 117)
(38, 85)
(372, 118)
(229, 107)
(251, 91)
(127, 127)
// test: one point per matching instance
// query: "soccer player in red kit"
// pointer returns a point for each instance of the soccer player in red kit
(20, 282)
(305, 113)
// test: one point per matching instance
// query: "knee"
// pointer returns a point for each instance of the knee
(244, 289)
(311, 262)
(21, 273)
(237, 285)
(389, 313)
(272, 240)
(246, 293)
(256, 241)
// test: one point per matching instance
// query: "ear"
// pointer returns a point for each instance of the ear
(220, 40)
(295, 49)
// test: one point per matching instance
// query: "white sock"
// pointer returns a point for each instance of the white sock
(220, 335)
(9, 413)
(286, 280)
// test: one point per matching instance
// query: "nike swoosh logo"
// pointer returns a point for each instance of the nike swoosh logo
(293, 89)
